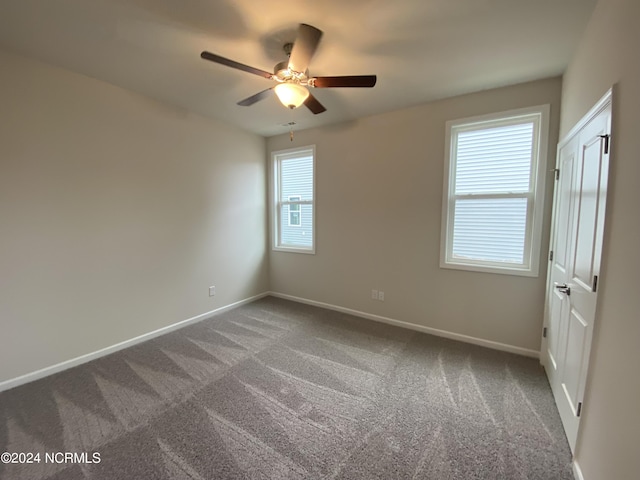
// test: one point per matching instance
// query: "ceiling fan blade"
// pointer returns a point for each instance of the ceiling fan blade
(255, 98)
(314, 105)
(233, 64)
(366, 81)
(304, 47)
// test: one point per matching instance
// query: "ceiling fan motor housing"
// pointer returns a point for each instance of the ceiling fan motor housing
(284, 65)
(282, 73)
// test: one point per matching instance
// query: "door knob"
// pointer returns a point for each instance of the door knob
(562, 288)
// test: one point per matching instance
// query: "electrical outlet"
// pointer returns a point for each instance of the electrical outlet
(212, 291)
(374, 294)
(381, 295)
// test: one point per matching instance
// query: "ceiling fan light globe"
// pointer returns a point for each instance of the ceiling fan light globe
(291, 95)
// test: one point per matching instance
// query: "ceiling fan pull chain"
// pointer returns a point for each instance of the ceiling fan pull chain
(291, 124)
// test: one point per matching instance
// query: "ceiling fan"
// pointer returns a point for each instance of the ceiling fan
(292, 75)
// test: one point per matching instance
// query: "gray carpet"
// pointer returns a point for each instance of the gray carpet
(280, 390)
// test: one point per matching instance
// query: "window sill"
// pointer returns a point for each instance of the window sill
(308, 251)
(506, 270)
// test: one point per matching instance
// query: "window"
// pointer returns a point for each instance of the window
(493, 192)
(292, 213)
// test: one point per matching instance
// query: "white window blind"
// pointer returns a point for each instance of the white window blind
(293, 205)
(491, 219)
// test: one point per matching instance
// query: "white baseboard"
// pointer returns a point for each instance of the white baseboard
(420, 328)
(577, 473)
(44, 372)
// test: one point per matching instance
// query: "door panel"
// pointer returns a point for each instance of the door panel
(563, 206)
(555, 327)
(576, 338)
(576, 241)
(588, 212)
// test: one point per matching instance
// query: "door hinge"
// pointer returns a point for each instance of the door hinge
(551, 255)
(544, 332)
(606, 138)
(579, 409)
(557, 170)
(594, 286)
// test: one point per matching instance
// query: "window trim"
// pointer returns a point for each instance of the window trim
(274, 185)
(536, 197)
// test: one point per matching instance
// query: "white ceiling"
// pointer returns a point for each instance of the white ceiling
(421, 50)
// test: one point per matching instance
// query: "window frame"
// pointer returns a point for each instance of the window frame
(535, 197)
(276, 203)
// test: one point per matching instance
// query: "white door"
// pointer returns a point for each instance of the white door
(557, 300)
(576, 244)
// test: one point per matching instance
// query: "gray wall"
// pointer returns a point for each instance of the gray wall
(607, 445)
(116, 215)
(379, 187)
